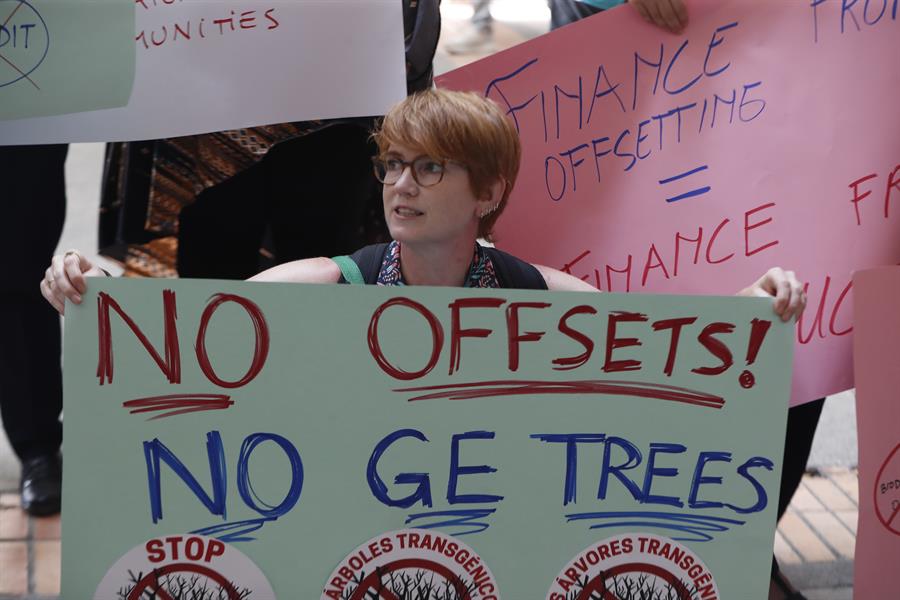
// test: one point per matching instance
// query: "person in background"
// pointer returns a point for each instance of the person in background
(478, 36)
(671, 15)
(34, 206)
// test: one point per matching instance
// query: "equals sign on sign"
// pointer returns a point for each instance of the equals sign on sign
(695, 192)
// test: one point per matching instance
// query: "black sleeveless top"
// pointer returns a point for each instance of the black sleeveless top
(511, 272)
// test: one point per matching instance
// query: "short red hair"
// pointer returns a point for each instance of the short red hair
(463, 127)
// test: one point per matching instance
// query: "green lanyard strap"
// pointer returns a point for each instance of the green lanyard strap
(349, 269)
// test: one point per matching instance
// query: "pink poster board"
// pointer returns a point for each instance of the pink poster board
(767, 134)
(876, 356)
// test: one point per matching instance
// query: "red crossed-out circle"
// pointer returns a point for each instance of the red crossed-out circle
(890, 522)
(598, 584)
(373, 580)
(151, 580)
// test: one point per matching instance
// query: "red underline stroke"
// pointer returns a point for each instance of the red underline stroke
(490, 389)
(178, 404)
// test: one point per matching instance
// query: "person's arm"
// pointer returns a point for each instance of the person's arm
(308, 270)
(786, 292)
(558, 281)
(66, 277)
(668, 14)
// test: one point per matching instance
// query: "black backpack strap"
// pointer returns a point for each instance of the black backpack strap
(368, 259)
(515, 273)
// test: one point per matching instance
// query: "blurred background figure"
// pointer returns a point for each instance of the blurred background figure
(563, 12)
(34, 206)
(478, 37)
(670, 15)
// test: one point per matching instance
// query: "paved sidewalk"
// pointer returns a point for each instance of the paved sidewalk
(814, 543)
(29, 552)
(816, 538)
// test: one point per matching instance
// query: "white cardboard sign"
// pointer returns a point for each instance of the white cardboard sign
(206, 66)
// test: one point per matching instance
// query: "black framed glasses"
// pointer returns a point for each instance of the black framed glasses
(426, 171)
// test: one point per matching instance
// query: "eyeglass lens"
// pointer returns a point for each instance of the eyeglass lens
(426, 171)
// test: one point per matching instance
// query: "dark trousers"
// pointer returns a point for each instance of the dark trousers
(33, 204)
(801, 428)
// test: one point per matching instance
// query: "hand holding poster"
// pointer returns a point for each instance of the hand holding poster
(765, 134)
(875, 356)
(340, 440)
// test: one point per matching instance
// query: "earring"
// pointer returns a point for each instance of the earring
(487, 211)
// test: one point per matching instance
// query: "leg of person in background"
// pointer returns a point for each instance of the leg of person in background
(34, 208)
(563, 12)
(479, 36)
(801, 428)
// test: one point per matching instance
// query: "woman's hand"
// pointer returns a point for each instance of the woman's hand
(668, 14)
(788, 294)
(66, 278)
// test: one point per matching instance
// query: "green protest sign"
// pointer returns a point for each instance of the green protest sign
(59, 56)
(342, 442)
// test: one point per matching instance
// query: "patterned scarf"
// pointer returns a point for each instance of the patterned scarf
(481, 271)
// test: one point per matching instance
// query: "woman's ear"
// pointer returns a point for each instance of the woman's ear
(491, 197)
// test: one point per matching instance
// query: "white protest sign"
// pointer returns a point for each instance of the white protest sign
(209, 66)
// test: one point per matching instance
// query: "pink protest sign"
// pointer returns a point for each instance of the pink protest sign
(767, 134)
(876, 356)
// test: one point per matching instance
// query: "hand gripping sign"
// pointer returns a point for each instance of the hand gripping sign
(484, 442)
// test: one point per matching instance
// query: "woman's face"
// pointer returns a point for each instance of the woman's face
(446, 212)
